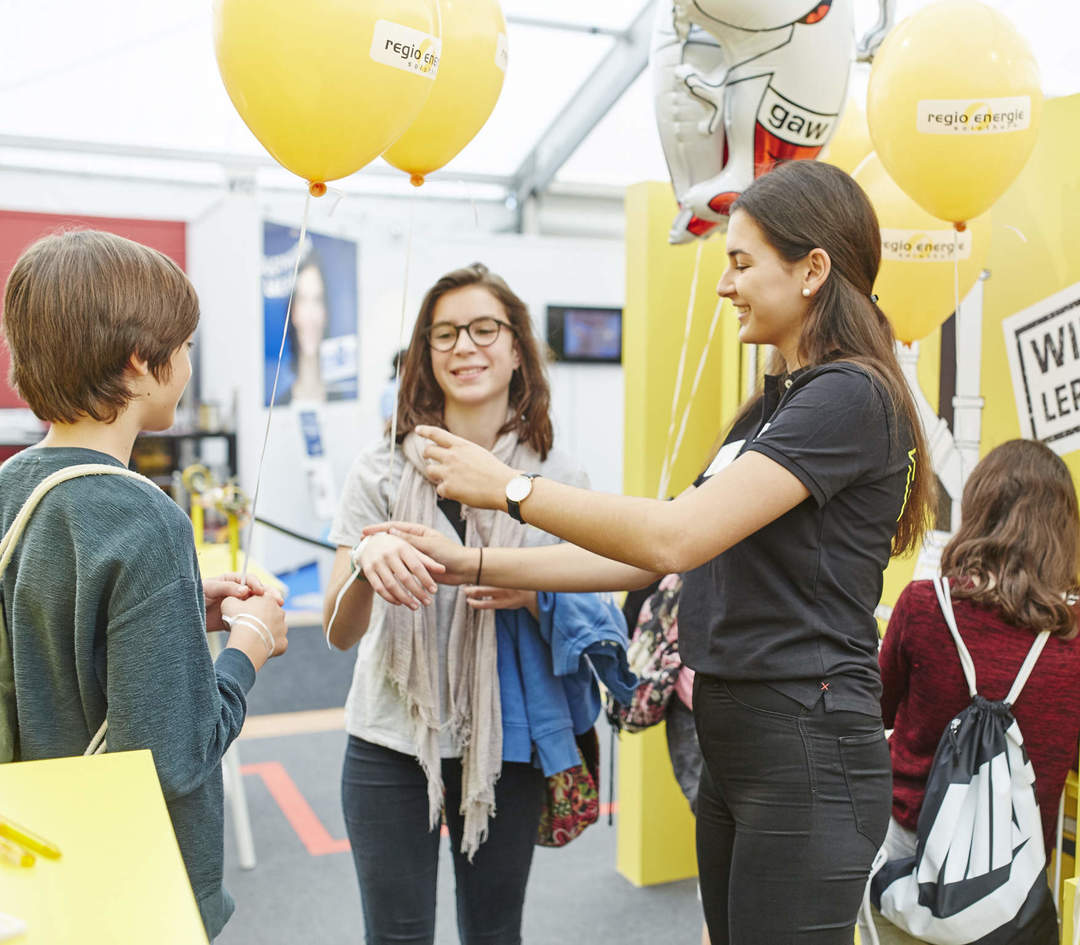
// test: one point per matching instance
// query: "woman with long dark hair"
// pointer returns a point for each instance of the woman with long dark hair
(782, 548)
(1012, 572)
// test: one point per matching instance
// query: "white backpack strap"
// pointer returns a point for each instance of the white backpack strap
(941, 588)
(11, 539)
(1028, 666)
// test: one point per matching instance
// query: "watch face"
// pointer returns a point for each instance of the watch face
(518, 488)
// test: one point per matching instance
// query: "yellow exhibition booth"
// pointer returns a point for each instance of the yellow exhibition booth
(1029, 300)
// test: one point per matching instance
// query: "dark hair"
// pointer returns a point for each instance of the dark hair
(421, 399)
(1017, 545)
(77, 306)
(803, 205)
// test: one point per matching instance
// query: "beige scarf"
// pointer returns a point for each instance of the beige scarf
(410, 654)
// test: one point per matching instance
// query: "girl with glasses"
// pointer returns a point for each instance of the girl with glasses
(782, 543)
(435, 726)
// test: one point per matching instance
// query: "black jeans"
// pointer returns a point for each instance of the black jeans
(384, 796)
(792, 808)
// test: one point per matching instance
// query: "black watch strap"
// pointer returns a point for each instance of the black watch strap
(513, 507)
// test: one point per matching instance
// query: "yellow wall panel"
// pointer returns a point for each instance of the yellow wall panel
(655, 829)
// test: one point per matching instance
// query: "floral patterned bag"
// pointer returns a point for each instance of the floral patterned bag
(573, 796)
(654, 657)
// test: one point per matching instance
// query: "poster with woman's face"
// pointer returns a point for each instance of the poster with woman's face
(319, 362)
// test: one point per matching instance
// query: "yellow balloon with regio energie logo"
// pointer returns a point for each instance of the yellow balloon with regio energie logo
(953, 105)
(915, 282)
(327, 86)
(471, 72)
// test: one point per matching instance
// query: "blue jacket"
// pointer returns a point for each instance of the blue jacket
(548, 691)
(588, 625)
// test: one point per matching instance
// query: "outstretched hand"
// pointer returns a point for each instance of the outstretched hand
(396, 571)
(463, 471)
(460, 563)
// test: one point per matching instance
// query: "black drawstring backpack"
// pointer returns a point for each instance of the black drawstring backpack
(979, 870)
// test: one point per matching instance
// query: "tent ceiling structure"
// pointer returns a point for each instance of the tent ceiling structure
(128, 88)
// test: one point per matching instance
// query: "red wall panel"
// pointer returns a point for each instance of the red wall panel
(18, 230)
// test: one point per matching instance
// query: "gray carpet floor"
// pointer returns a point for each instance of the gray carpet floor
(575, 894)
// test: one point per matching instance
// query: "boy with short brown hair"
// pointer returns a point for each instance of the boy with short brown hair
(104, 610)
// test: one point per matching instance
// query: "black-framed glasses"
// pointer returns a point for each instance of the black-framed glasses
(484, 332)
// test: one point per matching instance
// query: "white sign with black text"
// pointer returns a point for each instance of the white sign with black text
(1043, 342)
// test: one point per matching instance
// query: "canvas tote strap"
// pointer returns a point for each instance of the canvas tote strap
(941, 588)
(11, 539)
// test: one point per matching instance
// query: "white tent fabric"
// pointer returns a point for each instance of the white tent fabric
(132, 85)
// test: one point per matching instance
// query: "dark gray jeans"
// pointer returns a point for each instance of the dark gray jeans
(384, 796)
(792, 808)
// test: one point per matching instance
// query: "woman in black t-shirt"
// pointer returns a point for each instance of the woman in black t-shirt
(783, 544)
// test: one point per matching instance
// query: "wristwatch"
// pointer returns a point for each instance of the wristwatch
(517, 491)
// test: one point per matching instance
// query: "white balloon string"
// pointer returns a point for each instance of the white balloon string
(273, 390)
(1009, 226)
(956, 274)
(338, 196)
(665, 469)
(391, 492)
(472, 203)
(752, 373)
(693, 388)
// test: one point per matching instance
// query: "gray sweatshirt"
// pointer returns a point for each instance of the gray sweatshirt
(104, 610)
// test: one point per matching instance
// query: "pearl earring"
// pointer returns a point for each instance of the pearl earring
(806, 293)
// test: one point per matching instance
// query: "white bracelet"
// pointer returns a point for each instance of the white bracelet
(263, 635)
(355, 552)
(254, 623)
(256, 619)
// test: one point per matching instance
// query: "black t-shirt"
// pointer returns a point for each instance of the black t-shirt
(451, 508)
(793, 604)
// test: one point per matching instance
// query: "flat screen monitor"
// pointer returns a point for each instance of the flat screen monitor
(585, 333)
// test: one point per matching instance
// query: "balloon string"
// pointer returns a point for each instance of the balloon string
(273, 390)
(472, 203)
(665, 469)
(752, 373)
(694, 386)
(956, 274)
(391, 492)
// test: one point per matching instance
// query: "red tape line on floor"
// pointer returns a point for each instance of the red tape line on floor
(296, 809)
(304, 821)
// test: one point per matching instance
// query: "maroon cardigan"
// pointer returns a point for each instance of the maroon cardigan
(924, 687)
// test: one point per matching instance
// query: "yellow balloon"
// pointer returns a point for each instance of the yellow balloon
(953, 104)
(471, 72)
(915, 282)
(850, 142)
(326, 85)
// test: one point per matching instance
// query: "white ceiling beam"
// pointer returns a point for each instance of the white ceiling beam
(614, 74)
(228, 160)
(566, 26)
